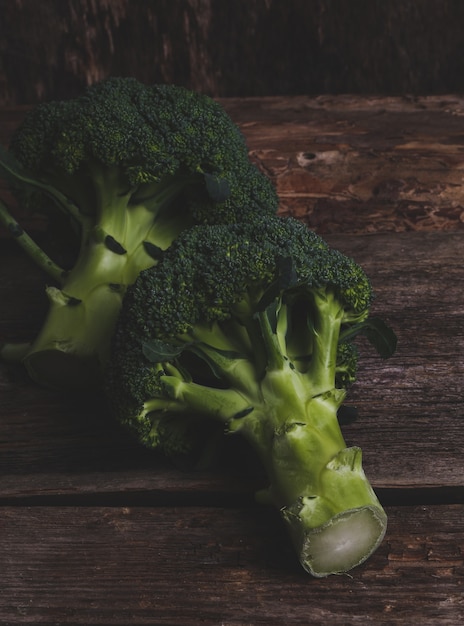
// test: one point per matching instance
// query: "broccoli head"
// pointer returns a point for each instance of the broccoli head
(250, 326)
(127, 167)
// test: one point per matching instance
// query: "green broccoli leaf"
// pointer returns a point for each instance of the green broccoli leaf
(378, 333)
(217, 188)
(158, 351)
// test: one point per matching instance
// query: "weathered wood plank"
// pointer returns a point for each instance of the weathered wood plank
(415, 399)
(352, 164)
(218, 566)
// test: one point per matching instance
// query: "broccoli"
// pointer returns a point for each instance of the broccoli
(249, 328)
(125, 167)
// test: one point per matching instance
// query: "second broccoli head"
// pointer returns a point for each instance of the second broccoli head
(250, 326)
(127, 167)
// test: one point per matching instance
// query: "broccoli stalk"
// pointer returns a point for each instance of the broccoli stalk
(268, 355)
(290, 418)
(124, 235)
(128, 167)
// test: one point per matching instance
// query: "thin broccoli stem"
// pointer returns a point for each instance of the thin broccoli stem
(225, 346)
(238, 372)
(15, 172)
(40, 258)
(271, 346)
(282, 327)
(221, 404)
(327, 319)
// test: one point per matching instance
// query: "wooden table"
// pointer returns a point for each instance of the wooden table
(95, 530)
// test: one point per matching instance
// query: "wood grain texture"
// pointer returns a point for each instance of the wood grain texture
(417, 395)
(352, 164)
(201, 566)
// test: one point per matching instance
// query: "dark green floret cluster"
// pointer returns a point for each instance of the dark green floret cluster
(211, 285)
(251, 326)
(121, 136)
(125, 167)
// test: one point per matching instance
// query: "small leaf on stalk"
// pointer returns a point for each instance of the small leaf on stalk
(153, 250)
(243, 413)
(158, 351)
(217, 188)
(114, 246)
(286, 279)
(380, 335)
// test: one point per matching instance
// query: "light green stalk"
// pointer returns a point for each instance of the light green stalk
(73, 344)
(290, 418)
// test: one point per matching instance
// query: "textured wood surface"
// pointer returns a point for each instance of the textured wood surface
(94, 530)
(352, 164)
(196, 566)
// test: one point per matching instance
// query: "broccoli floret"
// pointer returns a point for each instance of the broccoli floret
(250, 326)
(129, 166)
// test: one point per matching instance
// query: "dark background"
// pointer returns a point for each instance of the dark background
(53, 48)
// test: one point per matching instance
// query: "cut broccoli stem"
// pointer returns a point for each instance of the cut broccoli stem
(336, 533)
(80, 320)
(329, 508)
(332, 513)
(333, 516)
